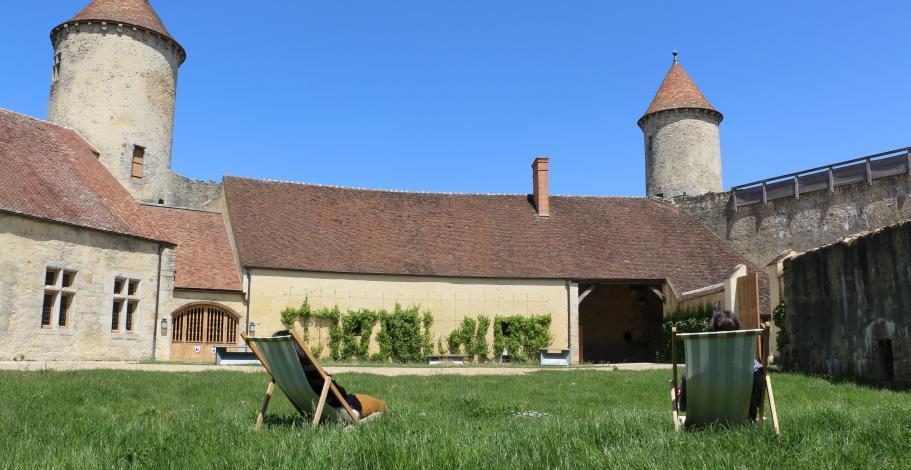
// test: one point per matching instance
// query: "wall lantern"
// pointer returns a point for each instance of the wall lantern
(164, 327)
(251, 329)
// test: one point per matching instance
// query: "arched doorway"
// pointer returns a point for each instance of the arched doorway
(198, 329)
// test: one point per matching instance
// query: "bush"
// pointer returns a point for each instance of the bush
(522, 337)
(782, 337)
(694, 320)
(480, 338)
(400, 337)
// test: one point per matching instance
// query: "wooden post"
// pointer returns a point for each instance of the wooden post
(262, 411)
(675, 402)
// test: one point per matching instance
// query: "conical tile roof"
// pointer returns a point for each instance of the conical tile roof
(678, 91)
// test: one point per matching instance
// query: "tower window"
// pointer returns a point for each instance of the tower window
(139, 154)
(57, 60)
(651, 142)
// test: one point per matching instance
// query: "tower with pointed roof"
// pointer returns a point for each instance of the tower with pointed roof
(115, 82)
(682, 141)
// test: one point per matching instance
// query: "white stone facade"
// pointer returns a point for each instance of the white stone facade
(28, 247)
(682, 152)
(116, 85)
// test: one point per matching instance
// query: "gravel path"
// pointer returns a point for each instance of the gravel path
(385, 371)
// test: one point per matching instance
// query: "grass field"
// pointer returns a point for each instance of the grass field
(587, 420)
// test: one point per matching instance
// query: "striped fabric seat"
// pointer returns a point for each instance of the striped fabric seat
(719, 376)
(281, 359)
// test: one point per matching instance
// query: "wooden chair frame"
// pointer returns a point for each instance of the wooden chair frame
(328, 384)
(763, 348)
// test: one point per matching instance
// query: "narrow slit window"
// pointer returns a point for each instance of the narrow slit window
(133, 288)
(46, 309)
(118, 286)
(138, 161)
(115, 315)
(63, 318)
(58, 58)
(128, 320)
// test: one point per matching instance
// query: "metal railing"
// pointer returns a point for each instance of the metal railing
(828, 177)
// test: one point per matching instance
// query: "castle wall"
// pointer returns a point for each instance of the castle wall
(117, 86)
(849, 308)
(684, 155)
(195, 194)
(28, 247)
(762, 232)
(448, 299)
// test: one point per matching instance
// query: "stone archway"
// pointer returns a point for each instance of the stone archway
(199, 328)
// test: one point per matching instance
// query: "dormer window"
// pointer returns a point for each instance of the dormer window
(139, 154)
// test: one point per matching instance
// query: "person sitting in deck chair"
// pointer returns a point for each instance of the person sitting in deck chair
(363, 405)
(726, 321)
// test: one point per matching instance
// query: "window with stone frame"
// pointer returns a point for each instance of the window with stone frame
(138, 161)
(58, 59)
(59, 292)
(125, 306)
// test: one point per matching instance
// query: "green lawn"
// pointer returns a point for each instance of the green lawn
(591, 419)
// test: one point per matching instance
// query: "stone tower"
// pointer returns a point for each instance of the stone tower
(682, 143)
(115, 82)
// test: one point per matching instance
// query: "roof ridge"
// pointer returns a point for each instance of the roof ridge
(190, 209)
(45, 121)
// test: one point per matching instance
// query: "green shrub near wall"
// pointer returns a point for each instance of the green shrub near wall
(405, 334)
(522, 337)
(785, 358)
(693, 320)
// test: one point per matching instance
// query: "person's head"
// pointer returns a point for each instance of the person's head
(724, 321)
(282, 333)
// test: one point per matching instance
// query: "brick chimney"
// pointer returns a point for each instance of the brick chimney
(539, 179)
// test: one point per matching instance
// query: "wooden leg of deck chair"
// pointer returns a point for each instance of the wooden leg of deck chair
(674, 412)
(262, 411)
(321, 403)
(771, 394)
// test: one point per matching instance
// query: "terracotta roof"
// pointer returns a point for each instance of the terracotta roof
(316, 228)
(132, 12)
(51, 172)
(205, 259)
(678, 91)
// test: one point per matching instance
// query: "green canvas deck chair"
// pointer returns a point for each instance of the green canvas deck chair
(279, 356)
(719, 377)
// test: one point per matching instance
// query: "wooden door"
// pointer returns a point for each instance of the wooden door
(198, 330)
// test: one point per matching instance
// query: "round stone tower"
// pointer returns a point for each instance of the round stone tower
(115, 82)
(682, 143)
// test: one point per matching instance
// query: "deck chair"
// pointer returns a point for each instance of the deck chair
(719, 377)
(279, 356)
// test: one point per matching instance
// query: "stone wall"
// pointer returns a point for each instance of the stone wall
(195, 194)
(117, 86)
(762, 232)
(28, 247)
(849, 307)
(448, 299)
(682, 152)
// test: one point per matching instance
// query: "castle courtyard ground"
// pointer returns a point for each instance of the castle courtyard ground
(541, 419)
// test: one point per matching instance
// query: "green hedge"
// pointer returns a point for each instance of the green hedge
(694, 320)
(522, 337)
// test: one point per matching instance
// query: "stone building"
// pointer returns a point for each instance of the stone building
(852, 307)
(110, 255)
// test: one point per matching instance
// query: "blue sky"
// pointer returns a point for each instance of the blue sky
(462, 95)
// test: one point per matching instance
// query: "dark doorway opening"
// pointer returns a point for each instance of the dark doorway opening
(620, 322)
(886, 362)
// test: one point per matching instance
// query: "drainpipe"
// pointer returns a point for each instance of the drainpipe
(155, 331)
(249, 297)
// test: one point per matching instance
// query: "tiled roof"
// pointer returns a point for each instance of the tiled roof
(133, 12)
(678, 91)
(205, 259)
(316, 228)
(50, 172)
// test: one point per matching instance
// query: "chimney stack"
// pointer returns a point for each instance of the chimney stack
(539, 179)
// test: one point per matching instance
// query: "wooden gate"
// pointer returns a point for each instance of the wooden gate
(198, 329)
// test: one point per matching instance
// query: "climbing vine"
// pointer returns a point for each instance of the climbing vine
(521, 338)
